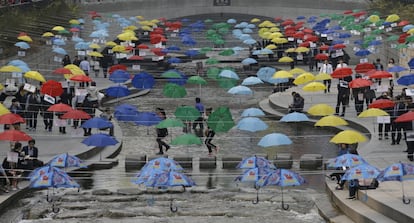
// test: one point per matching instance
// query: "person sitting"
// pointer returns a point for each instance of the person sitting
(30, 155)
(107, 115)
(297, 104)
(4, 180)
(10, 167)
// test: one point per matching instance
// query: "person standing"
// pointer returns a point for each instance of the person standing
(327, 69)
(76, 61)
(105, 61)
(162, 133)
(385, 126)
(47, 115)
(343, 95)
(396, 127)
(33, 104)
(66, 60)
(199, 121)
(378, 66)
(85, 66)
(210, 135)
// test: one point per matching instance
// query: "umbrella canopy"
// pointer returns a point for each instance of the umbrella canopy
(331, 120)
(117, 67)
(282, 178)
(382, 103)
(406, 117)
(346, 160)
(49, 176)
(11, 118)
(147, 119)
(97, 122)
(321, 110)
(282, 74)
(170, 122)
(100, 140)
(362, 171)
(143, 81)
(80, 78)
(348, 137)
(362, 68)
(294, 117)
(229, 74)
(14, 135)
(322, 77)
(196, 80)
(52, 88)
(372, 112)
(174, 91)
(396, 172)
(314, 86)
(35, 75)
(240, 90)
(359, 83)
(342, 72)
(406, 80)
(60, 107)
(274, 139)
(119, 76)
(252, 112)
(220, 120)
(253, 174)
(187, 113)
(255, 162)
(65, 160)
(161, 163)
(186, 139)
(304, 78)
(380, 74)
(252, 81)
(118, 91)
(169, 179)
(396, 69)
(76, 114)
(251, 124)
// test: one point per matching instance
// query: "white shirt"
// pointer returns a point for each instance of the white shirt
(341, 65)
(326, 68)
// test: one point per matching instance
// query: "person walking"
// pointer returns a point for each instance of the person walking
(384, 125)
(162, 133)
(327, 69)
(209, 133)
(396, 127)
(33, 105)
(199, 121)
(86, 67)
(66, 60)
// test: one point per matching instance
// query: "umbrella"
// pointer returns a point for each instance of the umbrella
(252, 81)
(35, 76)
(171, 74)
(380, 74)
(362, 53)
(346, 160)
(174, 60)
(255, 162)
(396, 69)
(97, 122)
(274, 139)
(147, 119)
(252, 112)
(212, 61)
(361, 171)
(187, 113)
(265, 73)
(406, 80)
(251, 124)
(314, 86)
(80, 78)
(22, 45)
(3, 109)
(186, 139)
(282, 74)
(294, 117)
(372, 112)
(406, 117)
(359, 83)
(196, 80)
(162, 164)
(76, 114)
(254, 175)
(143, 81)
(60, 107)
(119, 76)
(331, 120)
(65, 160)
(174, 90)
(249, 61)
(282, 178)
(321, 110)
(229, 74)
(170, 122)
(10, 69)
(220, 120)
(362, 68)
(52, 88)
(322, 77)
(14, 135)
(396, 172)
(117, 91)
(348, 137)
(304, 78)
(321, 56)
(285, 59)
(342, 72)
(382, 103)
(117, 67)
(11, 118)
(240, 90)
(125, 112)
(100, 140)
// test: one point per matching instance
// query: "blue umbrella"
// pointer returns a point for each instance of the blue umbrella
(406, 80)
(300, 17)
(252, 112)
(411, 63)
(362, 171)
(252, 81)
(396, 69)
(294, 117)
(119, 76)
(346, 160)
(97, 122)
(100, 140)
(49, 176)
(229, 74)
(192, 53)
(173, 48)
(117, 91)
(17, 63)
(66, 160)
(251, 124)
(147, 118)
(274, 139)
(22, 45)
(249, 41)
(344, 35)
(143, 81)
(162, 163)
(240, 90)
(265, 73)
(396, 172)
(375, 43)
(248, 30)
(174, 60)
(255, 162)
(124, 107)
(407, 27)
(248, 61)
(58, 42)
(125, 112)
(362, 52)
(82, 45)
(253, 174)
(60, 51)
(231, 21)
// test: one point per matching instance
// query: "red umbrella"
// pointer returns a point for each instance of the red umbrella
(362, 68)
(76, 114)
(158, 51)
(403, 23)
(117, 67)
(62, 70)
(11, 118)
(81, 78)
(339, 46)
(382, 103)
(321, 56)
(406, 117)
(342, 72)
(307, 30)
(311, 38)
(347, 12)
(305, 44)
(379, 74)
(324, 47)
(52, 88)
(135, 57)
(142, 46)
(14, 135)
(60, 107)
(359, 82)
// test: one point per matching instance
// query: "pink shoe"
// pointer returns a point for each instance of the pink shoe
(217, 149)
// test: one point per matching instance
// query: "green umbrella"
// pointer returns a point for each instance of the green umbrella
(187, 113)
(186, 139)
(220, 120)
(170, 74)
(170, 122)
(227, 52)
(393, 38)
(409, 39)
(174, 91)
(196, 80)
(226, 83)
(402, 46)
(205, 49)
(211, 61)
(218, 41)
(378, 31)
(213, 72)
(208, 21)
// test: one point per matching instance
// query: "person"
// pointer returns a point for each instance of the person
(209, 133)
(105, 61)
(86, 67)
(343, 95)
(4, 180)
(353, 188)
(66, 60)
(384, 126)
(89, 106)
(358, 95)
(47, 115)
(396, 127)
(378, 66)
(162, 133)
(95, 64)
(33, 105)
(395, 75)
(31, 153)
(297, 104)
(343, 149)
(76, 61)
(10, 165)
(107, 115)
(341, 64)
(15, 108)
(199, 121)
(327, 69)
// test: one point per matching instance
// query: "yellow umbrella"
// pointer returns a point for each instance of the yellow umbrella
(304, 78)
(410, 31)
(271, 46)
(274, 35)
(3, 109)
(25, 38)
(274, 29)
(10, 69)
(331, 120)
(74, 22)
(131, 27)
(314, 86)
(279, 40)
(94, 46)
(348, 137)
(392, 18)
(119, 48)
(58, 28)
(290, 50)
(321, 110)
(110, 44)
(297, 70)
(373, 18)
(48, 34)
(323, 76)
(282, 74)
(301, 49)
(255, 20)
(35, 76)
(75, 70)
(1, 87)
(127, 36)
(285, 60)
(95, 54)
(146, 28)
(140, 17)
(373, 112)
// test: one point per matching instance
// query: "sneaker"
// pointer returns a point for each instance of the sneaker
(217, 149)
(339, 188)
(351, 198)
(14, 188)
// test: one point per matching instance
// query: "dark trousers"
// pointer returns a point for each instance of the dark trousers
(32, 119)
(359, 106)
(384, 126)
(209, 138)
(342, 100)
(353, 187)
(48, 120)
(198, 121)
(161, 144)
(410, 150)
(327, 83)
(396, 129)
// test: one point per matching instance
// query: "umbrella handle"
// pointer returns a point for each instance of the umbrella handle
(49, 198)
(284, 207)
(406, 200)
(55, 209)
(257, 196)
(172, 208)
(365, 196)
